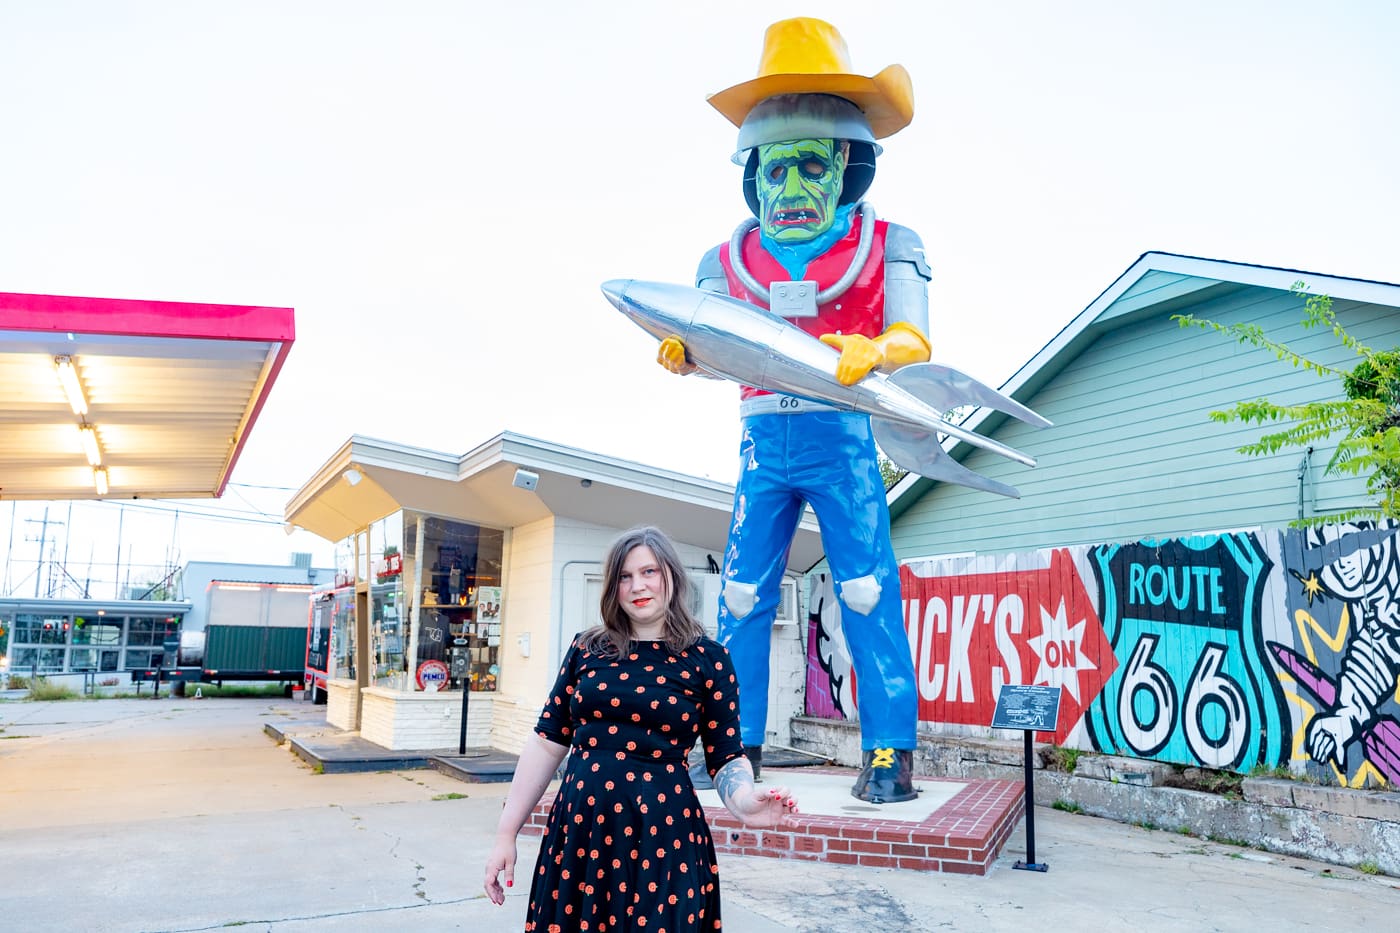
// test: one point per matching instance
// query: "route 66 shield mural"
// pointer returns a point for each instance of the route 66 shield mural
(1183, 617)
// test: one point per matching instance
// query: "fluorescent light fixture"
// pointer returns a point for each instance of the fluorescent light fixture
(353, 476)
(68, 376)
(88, 435)
(99, 479)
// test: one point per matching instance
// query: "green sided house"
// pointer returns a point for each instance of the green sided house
(1133, 450)
(1149, 569)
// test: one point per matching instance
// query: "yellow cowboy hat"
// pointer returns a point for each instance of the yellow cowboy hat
(808, 56)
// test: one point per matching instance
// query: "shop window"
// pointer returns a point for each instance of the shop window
(457, 583)
(345, 562)
(23, 661)
(33, 629)
(343, 633)
(361, 556)
(387, 628)
(27, 628)
(140, 657)
(88, 632)
(145, 630)
(388, 624)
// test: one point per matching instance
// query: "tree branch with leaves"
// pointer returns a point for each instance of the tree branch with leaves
(1368, 418)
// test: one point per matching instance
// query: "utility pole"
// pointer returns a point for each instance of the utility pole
(43, 539)
(87, 581)
(117, 574)
(53, 559)
(10, 550)
(66, 538)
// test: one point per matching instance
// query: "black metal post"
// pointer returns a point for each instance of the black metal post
(466, 690)
(1030, 864)
(1030, 801)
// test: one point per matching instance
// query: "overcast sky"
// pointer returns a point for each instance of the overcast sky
(438, 188)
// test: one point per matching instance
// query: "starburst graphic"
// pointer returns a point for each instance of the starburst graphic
(1312, 587)
(1060, 647)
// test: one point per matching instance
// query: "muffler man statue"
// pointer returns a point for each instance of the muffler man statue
(816, 254)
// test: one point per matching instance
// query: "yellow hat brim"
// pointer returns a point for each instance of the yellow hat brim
(887, 99)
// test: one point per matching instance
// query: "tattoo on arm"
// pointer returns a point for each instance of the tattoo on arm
(734, 776)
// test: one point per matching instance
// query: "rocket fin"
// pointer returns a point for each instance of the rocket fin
(944, 387)
(918, 451)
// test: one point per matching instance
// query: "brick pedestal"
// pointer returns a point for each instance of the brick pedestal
(965, 835)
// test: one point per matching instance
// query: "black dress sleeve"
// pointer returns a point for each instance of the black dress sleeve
(556, 723)
(719, 719)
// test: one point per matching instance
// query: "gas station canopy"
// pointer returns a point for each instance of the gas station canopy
(114, 398)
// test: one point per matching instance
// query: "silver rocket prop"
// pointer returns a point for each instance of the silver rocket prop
(748, 345)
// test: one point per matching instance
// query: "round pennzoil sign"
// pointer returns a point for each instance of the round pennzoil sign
(434, 673)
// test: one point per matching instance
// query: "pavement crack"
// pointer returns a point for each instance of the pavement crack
(271, 922)
(420, 880)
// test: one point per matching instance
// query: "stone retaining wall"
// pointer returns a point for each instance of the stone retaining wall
(1329, 824)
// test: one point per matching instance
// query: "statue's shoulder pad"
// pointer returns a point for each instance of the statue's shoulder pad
(710, 267)
(904, 245)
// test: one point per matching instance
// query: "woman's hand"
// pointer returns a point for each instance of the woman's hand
(741, 797)
(769, 807)
(502, 860)
(533, 770)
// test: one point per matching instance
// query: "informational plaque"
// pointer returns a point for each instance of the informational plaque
(1030, 709)
(1034, 709)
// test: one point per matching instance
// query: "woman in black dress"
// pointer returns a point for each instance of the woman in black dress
(627, 846)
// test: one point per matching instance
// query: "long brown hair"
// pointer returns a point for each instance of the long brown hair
(679, 631)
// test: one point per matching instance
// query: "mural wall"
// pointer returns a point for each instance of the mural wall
(1236, 652)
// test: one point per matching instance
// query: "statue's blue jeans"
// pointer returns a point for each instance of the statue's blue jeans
(828, 459)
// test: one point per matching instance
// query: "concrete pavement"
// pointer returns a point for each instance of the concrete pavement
(182, 815)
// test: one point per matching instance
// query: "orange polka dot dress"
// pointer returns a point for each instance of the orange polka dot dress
(627, 847)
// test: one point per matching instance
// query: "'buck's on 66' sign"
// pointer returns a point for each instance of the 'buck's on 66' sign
(971, 634)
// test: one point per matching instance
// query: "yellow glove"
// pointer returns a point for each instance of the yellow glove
(900, 345)
(671, 354)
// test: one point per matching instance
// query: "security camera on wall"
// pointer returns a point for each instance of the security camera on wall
(526, 480)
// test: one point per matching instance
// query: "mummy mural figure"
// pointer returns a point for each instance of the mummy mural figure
(1358, 567)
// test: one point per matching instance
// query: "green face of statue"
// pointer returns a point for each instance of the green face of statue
(798, 186)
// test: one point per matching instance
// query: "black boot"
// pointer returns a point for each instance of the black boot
(754, 753)
(887, 776)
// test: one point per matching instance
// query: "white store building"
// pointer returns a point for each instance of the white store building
(475, 571)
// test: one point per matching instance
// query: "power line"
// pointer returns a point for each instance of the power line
(238, 515)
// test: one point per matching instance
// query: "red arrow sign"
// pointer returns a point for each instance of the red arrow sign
(971, 634)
